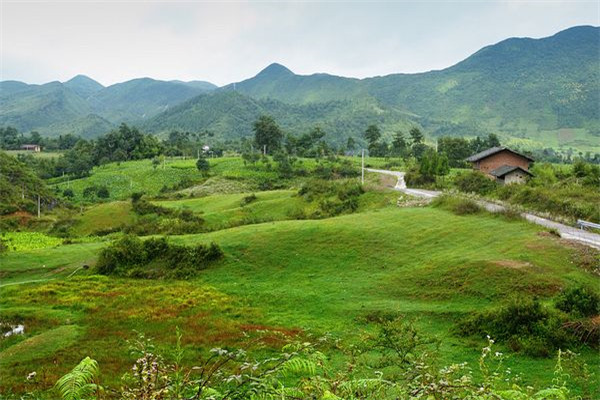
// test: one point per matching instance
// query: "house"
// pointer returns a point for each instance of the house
(32, 147)
(502, 164)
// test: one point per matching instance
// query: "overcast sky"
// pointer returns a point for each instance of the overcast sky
(223, 42)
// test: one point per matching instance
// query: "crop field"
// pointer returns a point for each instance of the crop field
(340, 270)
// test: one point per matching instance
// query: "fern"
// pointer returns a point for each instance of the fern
(298, 366)
(79, 383)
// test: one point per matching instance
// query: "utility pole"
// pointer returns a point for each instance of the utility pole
(265, 150)
(362, 178)
(39, 204)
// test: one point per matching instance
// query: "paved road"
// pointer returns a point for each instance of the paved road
(565, 231)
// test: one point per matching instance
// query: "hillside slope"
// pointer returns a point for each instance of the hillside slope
(533, 92)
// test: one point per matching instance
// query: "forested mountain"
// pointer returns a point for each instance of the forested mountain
(532, 92)
(83, 85)
(230, 114)
(84, 107)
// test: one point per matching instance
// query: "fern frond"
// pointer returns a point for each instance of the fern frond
(298, 366)
(79, 383)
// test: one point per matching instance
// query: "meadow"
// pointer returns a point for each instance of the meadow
(283, 275)
(325, 276)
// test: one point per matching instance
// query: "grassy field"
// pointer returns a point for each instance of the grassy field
(41, 154)
(295, 276)
(123, 179)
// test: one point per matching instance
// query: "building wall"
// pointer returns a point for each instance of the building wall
(515, 177)
(499, 159)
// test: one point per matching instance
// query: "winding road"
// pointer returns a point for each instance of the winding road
(565, 231)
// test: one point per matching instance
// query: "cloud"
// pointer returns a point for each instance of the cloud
(230, 41)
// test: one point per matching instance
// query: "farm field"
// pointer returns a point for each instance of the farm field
(317, 276)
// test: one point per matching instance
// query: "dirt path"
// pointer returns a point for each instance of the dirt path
(565, 231)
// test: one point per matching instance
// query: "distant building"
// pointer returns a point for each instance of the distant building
(502, 164)
(32, 147)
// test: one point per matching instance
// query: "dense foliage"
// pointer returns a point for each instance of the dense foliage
(20, 187)
(301, 370)
(154, 258)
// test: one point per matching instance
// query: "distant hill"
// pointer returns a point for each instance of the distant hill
(84, 107)
(83, 85)
(140, 99)
(532, 92)
(230, 114)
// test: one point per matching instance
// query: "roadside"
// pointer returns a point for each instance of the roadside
(565, 231)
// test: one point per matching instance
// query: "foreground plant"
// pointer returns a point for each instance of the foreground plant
(301, 371)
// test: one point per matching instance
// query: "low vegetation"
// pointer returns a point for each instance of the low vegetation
(155, 258)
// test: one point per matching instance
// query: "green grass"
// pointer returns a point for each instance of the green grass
(313, 275)
(125, 178)
(41, 154)
(103, 216)
(226, 210)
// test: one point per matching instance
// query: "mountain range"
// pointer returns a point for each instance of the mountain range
(532, 92)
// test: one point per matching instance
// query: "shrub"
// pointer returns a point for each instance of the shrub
(524, 324)
(68, 193)
(248, 199)
(580, 301)
(154, 258)
(333, 198)
(474, 182)
(457, 205)
(103, 192)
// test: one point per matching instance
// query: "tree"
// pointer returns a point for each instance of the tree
(372, 134)
(399, 145)
(267, 133)
(416, 135)
(203, 165)
(350, 144)
(457, 150)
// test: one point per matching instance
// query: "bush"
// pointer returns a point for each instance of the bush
(524, 324)
(155, 258)
(333, 198)
(580, 301)
(68, 193)
(248, 199)
(103, 192)
(474, 182)
(457, 205)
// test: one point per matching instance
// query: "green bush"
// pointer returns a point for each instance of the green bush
(154, 258)
(457, 205)
(524, 324)
(332, 198)
(474, 182)
(248, 199)
(580, 301)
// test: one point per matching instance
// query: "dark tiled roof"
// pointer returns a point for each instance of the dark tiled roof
(492, 151)
(506, 169)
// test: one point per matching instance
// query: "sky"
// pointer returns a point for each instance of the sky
(228, 41)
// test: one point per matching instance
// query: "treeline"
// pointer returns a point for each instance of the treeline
(123, 144)
(20, 188)
(12, 139)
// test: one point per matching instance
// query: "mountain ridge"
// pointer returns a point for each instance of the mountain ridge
(535, 92)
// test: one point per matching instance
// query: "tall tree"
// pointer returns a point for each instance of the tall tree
(267, 133)
(372, 134)
(416, 135)
(399, 145)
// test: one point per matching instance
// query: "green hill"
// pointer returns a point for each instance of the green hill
(532, 92)
(230, 114)
(83, 85)
(84, 107)
(139, 99)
